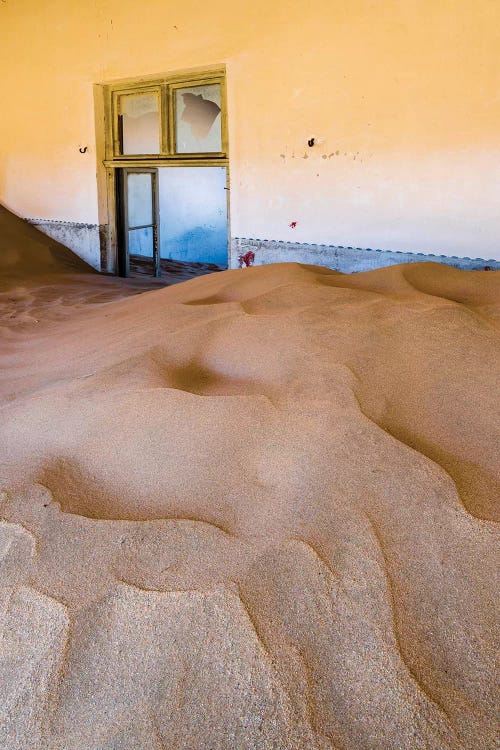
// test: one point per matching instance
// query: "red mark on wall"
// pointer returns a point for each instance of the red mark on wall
(293, 225)
(247, 259)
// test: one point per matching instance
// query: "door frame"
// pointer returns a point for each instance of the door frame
(123, 252)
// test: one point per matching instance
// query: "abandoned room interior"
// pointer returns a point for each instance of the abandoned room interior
(249, 374)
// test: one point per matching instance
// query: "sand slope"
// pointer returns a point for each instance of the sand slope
(40, 279)
(255, 510)
(27, 253)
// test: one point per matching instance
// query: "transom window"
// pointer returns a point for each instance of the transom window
(181, 118)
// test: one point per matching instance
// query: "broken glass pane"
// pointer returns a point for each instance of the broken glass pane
(198, 119)
(140, 130)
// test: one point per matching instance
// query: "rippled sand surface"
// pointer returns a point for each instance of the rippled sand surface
(255, 510)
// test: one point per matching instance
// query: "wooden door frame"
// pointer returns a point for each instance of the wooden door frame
(123, 252)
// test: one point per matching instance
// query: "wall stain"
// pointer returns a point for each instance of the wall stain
(355, 155)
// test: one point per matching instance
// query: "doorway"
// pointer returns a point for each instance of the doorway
(138, 220)
(174, 221)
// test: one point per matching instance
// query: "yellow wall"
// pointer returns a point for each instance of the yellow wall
(403, 93)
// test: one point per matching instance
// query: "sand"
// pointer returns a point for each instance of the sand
(255, 510)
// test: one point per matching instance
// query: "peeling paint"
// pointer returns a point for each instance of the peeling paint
(86, 240)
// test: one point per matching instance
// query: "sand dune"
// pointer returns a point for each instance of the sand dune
(40, 279)
(255, 510)
(26, 253)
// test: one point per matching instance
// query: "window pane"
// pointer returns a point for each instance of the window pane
(198, 119)
(140, 242)
(140, 124)
(139, 199)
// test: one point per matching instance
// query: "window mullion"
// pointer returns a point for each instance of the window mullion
(171, 120)
(164, 120)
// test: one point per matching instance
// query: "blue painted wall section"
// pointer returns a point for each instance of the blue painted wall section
(193, 214)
